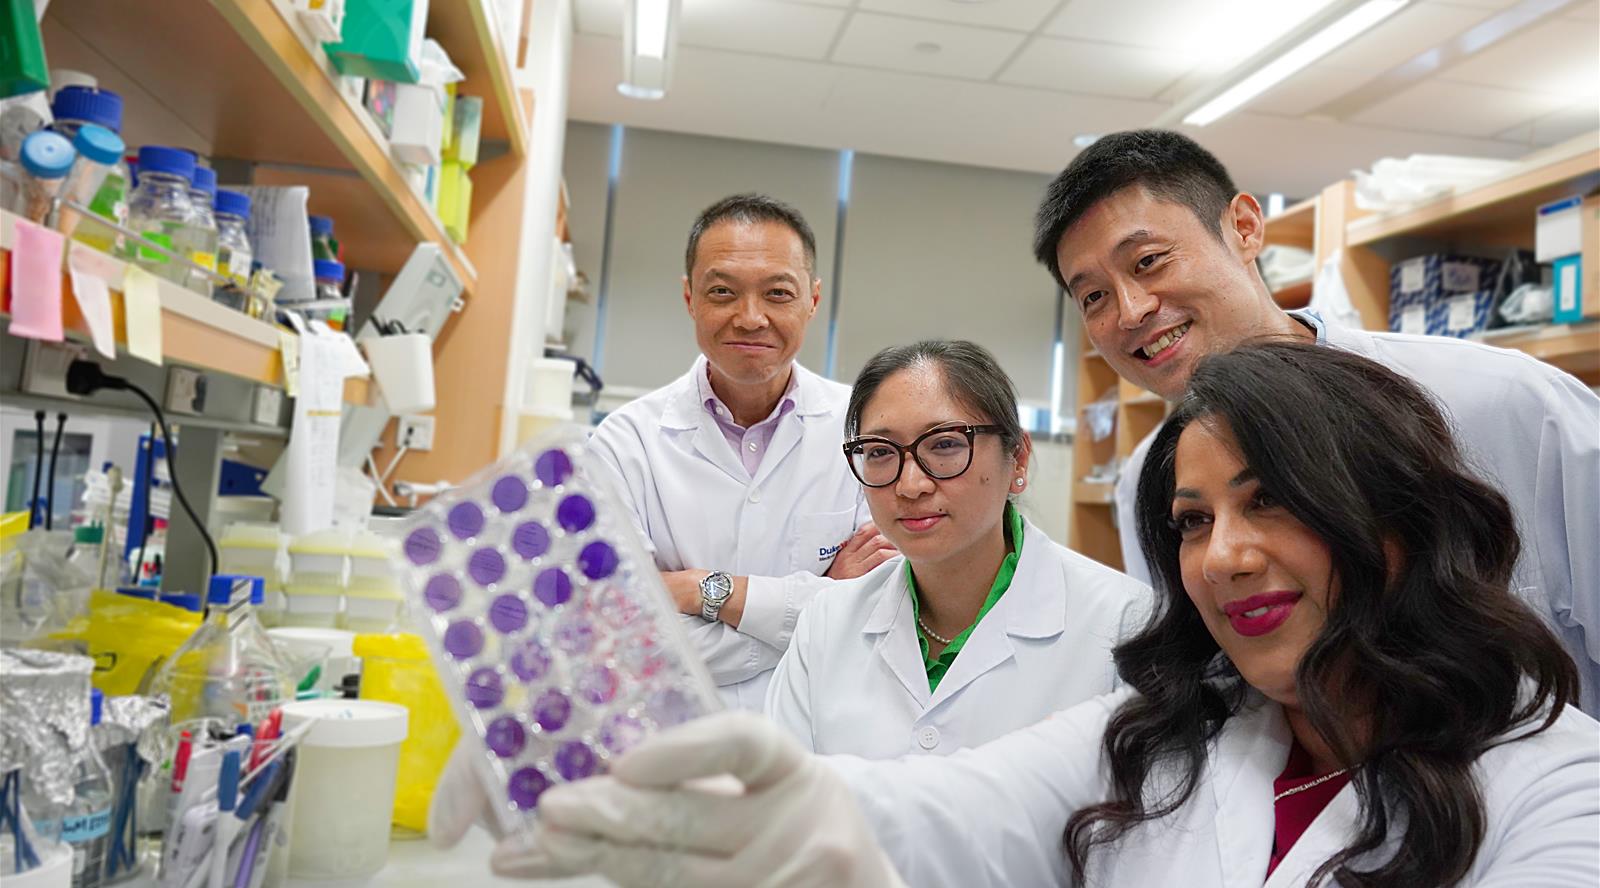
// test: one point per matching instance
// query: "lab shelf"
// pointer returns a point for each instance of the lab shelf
(1093, 493)
(195, 331)
(1574, 348)
(463, 28)
(1295, 295)
(236, 79)
(1497, 212)
(1296, 226)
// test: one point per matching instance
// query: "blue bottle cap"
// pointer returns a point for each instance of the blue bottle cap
(233, 203)
(143, 592)
(47, 155)
(101, 107)
(329, 270)
(320, 225)
(205, 179)
(97, 705)
(220, 590)
(186, 600)
(172, 161)
(99, 144)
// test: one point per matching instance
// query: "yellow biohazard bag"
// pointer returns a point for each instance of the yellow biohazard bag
(128, 638)
(396, 669)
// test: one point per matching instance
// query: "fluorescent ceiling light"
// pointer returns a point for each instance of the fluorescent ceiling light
(651, 17)
(1279, 69)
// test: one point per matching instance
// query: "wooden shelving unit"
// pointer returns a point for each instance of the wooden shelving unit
(1498, 214)
(195, 331)
(463, 28)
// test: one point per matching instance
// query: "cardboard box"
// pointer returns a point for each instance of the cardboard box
(382, 39)
(1559, 230)
(1441, 295)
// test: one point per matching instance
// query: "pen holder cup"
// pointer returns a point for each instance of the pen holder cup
(403, 367)
(344, 785)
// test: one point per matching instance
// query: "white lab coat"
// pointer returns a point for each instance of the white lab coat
(698, 508)
(853, 680)
(995, 816)
(1530, 429)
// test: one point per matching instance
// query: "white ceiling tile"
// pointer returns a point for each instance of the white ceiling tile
(1558, 127)
(1588, 11)
(1459, 109)
(1215, 35)
(1016, 15)
(1405, 35)
(1095, 68)
(598, 17)
(1308, 90)
(881, 41)
(1554, 57)
(786, 29)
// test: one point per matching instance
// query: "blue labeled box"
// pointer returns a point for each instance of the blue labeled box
(1441, 295)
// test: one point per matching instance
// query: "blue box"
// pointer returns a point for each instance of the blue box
(1441, 295)
(1567, 280)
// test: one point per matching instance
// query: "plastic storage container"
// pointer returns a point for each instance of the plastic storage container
(373, 598)
(46, 159)
(319, 566)
(229, 669)
(159, 209)
(256, 550)
(344, 786)
(99, 159)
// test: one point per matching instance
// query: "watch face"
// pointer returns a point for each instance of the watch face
(717, 587)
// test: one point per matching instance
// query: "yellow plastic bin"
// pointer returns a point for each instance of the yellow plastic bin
(396, 669)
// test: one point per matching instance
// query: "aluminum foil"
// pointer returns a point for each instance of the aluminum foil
(141, 721)
(45, 700)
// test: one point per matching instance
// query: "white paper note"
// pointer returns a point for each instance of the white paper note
(1463, 311)
(281, 236)
(90, 271)
(1414, 320)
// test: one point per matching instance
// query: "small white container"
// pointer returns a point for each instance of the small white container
(403, 367)
(344, 785)
(53, 871)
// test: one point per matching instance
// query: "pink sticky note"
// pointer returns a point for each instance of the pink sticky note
(36, 282)
(141, 305)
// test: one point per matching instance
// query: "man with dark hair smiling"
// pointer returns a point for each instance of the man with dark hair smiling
(733, 472)
(1152, 241)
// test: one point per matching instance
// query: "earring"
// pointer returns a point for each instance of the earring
(1019, 482)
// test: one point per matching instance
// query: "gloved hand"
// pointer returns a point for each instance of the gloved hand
(460, 798)
(795, 822)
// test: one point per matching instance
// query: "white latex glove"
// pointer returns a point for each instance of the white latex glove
(460, 799)
(794, 824)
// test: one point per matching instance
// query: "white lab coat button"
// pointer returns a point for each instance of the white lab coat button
(752, 446)
(928, 737)
(755, 495)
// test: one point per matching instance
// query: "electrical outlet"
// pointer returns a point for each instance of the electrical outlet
(44, 368)
(186, 391)
(415, 432)
(269, 402)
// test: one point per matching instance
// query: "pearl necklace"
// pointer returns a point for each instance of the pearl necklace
(1305, 786)
(932, 634)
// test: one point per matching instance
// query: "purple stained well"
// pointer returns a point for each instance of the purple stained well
(575, 513)
(486, 566)
(442, 592)
(575, 637)
(463, 640)
(530, 662)
(553, 467)
(530, 540)
(551, 710)
(505, 737)
(552, 586)
(619, 732)
(574, 760)
(465, 520)
(525, 787)
(508, 613)
(509, 493)
(598, 560)
(422, 546)
(485, 690)
(597, 685)
(670, 707)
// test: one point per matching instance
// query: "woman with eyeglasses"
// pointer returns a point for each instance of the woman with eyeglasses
(984, 625)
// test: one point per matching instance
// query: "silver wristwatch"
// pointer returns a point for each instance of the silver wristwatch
(715, 590)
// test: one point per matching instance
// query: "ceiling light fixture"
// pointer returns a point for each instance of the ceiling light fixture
(1303, 51)
(649, 37)
(1084, 140)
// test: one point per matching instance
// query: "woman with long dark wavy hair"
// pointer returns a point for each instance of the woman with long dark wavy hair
(1336, 686)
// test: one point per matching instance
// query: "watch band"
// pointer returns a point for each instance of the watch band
(715, 590)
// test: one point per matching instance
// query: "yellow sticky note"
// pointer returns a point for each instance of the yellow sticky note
(289, 350)
(141, 303)
(93, 294)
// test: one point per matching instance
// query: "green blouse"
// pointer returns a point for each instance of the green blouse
(938, 666)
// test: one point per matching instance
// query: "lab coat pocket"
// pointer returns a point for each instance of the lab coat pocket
(818, 537)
